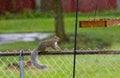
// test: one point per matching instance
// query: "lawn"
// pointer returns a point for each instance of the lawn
(87, 37)
(61, 66)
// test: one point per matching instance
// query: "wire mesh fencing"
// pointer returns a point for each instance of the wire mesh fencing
(60, 65)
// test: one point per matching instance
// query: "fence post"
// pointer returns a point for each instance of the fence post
(21, 62)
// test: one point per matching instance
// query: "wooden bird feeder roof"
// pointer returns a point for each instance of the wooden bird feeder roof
(106, 22)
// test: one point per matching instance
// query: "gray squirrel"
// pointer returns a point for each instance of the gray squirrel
(52, 42)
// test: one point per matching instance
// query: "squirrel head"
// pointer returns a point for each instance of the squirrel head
(56, 38)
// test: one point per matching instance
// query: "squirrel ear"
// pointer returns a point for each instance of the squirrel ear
(55, 36)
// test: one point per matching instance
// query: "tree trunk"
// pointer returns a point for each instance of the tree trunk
(59, 24)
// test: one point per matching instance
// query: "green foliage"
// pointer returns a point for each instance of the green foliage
(26, 14)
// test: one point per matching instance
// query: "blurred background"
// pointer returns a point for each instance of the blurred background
(24, 23)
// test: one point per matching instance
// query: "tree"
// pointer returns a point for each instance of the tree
(59, 24)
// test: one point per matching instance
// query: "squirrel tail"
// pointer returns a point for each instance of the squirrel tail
(34, 59)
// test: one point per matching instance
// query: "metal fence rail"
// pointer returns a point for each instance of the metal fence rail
(67, 52)
(89, 64)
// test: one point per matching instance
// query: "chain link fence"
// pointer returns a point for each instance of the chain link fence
(61, 66)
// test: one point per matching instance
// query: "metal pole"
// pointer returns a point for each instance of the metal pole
(21, 59)
(75, 39)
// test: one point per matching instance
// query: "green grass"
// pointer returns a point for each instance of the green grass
(93, 38)
(61, 66)
(26, 25)
(87, 37)
(19, 46)
(88, 66)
